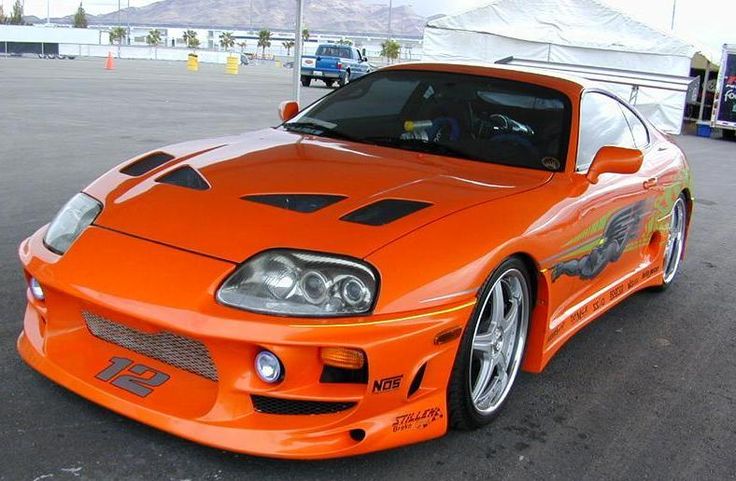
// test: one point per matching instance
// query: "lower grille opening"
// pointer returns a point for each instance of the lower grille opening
(179, 351)
(274, 405)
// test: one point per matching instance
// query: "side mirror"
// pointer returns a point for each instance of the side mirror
(288, 110)
(614, 160)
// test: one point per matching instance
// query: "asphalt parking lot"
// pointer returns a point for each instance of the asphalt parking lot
(646, 392)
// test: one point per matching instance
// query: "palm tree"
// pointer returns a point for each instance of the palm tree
(345, 41)
(305, 37)
(117, 35)
(391, 50)
(288, 45)
(227, 41)
(264, 40)
(2, 15)
(190, 38)
(242, 46)
(154, 40)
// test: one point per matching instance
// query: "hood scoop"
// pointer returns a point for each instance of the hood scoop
(303, 203)
(185, 177)
(384, 211)
(146, 164)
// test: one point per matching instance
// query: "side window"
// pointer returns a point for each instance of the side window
(638, 129)
(601, 123)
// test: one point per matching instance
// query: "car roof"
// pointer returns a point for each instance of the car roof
(491, 68)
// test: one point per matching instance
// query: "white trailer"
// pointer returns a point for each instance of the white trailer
(724, 102)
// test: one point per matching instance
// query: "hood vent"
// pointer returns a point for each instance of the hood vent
(185, 177)
(304, 203)
(146, 164)
(384, 211)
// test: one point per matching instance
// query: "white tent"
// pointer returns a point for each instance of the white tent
(573, 32)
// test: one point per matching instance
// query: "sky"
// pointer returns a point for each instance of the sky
(708, 22)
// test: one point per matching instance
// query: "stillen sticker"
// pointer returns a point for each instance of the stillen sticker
(416, 420)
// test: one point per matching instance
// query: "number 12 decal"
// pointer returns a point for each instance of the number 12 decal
(141, 383)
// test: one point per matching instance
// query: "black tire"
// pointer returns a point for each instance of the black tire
(729, 134)
(329, 83)
(343, 80)
(306, 81)
(462, 413)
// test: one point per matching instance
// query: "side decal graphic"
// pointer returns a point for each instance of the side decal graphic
(622, 227)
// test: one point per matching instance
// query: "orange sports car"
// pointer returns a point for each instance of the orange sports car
(368, 274)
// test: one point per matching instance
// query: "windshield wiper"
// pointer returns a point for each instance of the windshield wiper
(418, 145)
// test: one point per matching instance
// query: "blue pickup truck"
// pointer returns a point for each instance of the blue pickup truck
(334, 63)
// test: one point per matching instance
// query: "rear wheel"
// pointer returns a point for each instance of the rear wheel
(306, 81)
(329, 83)
(675, 242)
(491, 348)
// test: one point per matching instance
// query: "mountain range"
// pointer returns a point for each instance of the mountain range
(332, 16)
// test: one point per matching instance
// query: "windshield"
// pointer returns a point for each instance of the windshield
(478, 118)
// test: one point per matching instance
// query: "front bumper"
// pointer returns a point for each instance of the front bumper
(142, 291)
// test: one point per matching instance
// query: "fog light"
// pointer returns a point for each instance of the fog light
(343, 357)
(268, 367)
(36, 289)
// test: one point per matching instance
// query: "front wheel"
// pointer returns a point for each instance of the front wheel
(306, 81)
(491, 348)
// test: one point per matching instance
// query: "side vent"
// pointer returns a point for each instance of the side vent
(185, 177)
(384, 211)
(416, 383)
(146, 164)
(303, 203)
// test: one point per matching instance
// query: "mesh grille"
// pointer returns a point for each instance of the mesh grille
(179, 351)
(274, 405)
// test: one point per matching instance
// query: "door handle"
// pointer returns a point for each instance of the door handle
(651, 182)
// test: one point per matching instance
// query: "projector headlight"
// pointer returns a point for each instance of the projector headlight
(300, 283)
(72, 219)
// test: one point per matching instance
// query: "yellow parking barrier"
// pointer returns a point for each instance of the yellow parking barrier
(192, 62)
(232, 66)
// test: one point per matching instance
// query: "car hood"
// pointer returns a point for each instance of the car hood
(214, 219)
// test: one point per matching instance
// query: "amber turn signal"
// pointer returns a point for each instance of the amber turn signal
(448, 335)
(343, 357)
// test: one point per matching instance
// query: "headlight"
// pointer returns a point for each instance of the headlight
(72, 219)
(298, 283)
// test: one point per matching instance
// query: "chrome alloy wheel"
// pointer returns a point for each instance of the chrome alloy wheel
(675, 241)
(498, 341)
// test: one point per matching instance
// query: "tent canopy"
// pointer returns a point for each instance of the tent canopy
(577, 23)
(574, 32)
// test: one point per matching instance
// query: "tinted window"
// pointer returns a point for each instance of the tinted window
(333, 51)
(601, 123)
(479, 118)
(638, 129)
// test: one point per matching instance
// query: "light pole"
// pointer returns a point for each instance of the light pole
(674, 9)
(298, 49)
(390, 7)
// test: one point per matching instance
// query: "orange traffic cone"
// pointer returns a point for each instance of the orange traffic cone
(109, 64)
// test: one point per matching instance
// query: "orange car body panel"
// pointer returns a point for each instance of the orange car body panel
(157, 254)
